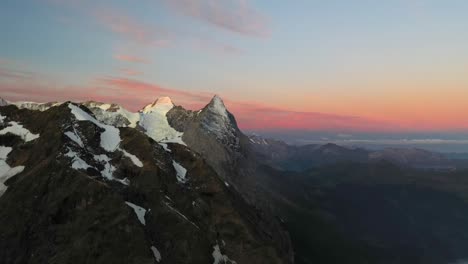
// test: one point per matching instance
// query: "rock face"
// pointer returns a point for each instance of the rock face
(97, 188)
(213, 133)
(3, 102)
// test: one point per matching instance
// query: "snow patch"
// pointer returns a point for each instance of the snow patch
(165, 147)
(6, 171)
(36, 106)
(139, 211)
(77, 162)
(74, 137)
(136, 161)
(113, 115)
(109, 169)
(4, 151)
(110, 138)
(156, 253)
(105, 106)
(219, 258)
(17, 129)
(181, 172)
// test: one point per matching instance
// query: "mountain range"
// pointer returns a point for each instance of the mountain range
(92, 182)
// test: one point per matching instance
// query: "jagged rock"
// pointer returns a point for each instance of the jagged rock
(79, 201)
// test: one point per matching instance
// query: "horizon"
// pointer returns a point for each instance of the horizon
(281, 68)
(448, 143)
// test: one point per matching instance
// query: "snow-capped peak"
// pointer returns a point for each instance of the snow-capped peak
(217, 106)
(163, 100)
(161, 104)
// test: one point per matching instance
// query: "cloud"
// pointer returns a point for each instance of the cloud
(135, 88)
(134, 94)
(130, 58)
(233, 15)
(259, 117)
(130, 72)
(131, 29)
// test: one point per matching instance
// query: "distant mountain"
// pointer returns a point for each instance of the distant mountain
(298, 158)
(95, 183)
(413, 157)
(280, 155)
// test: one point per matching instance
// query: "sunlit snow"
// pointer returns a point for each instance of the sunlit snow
(153, 119)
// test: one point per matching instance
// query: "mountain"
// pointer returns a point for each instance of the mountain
(3, 102)
(279, 155)
(95, 183)
(374, 213)
(413, 157)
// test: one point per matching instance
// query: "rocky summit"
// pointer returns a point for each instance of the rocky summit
(95, 183)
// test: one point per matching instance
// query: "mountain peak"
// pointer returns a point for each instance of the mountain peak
(162, 102)
(217, 106)
(3, 102)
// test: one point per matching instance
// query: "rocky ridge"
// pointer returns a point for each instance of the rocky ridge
(93, 175)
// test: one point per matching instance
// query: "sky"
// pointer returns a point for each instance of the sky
(361, 66)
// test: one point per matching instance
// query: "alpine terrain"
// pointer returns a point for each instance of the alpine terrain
(94, 183)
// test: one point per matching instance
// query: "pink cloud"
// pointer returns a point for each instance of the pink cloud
(130, 72)
(232, 15)
(257, 116)
(133, 88)
(134, 94)
(130, 58)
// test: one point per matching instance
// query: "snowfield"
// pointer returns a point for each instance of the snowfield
(153, 119)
